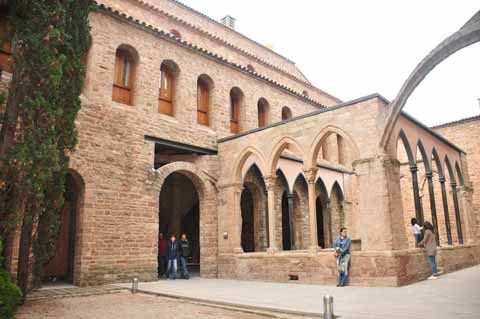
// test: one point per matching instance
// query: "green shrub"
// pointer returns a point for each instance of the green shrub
(9, 293)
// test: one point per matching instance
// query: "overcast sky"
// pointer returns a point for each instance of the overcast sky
(354, 48)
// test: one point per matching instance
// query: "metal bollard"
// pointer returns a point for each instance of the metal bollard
(134, 285)
(328, 307)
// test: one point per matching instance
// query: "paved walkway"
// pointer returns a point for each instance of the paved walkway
(455, 295)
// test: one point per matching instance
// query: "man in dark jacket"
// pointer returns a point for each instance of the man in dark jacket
(185, 253)
(173, 251)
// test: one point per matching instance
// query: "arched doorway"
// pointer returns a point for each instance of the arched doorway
(248, 232)
(179, 213)
(61, 265)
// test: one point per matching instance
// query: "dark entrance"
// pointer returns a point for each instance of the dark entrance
(179, 213)
(286, 238)
(320, 234)
(61, 265)
(248, 239)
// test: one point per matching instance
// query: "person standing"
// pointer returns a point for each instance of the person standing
(342, 254)
(185, 253)
(172, 255)
(417, 231)
(162, 255)
(431, 247)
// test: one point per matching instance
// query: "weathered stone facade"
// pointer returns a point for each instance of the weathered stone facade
(270, 200)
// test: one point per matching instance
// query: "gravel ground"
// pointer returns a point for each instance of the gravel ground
(126, 305)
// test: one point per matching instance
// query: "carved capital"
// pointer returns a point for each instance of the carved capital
(310, 175)
(270, 181)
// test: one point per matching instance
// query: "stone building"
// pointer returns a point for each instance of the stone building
(188, 126)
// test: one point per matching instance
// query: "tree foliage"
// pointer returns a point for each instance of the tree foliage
(51, 39)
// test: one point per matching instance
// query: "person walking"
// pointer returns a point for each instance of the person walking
(417, 231)
(162, 255)
(185, 252)
(431, 247)
(342, 255)
(172, 255)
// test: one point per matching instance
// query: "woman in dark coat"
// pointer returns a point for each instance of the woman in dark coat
(431, 247)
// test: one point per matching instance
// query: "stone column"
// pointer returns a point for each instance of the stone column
(457, 212)
(381, 220)
(270, 184)
(445, 210)
(311, 177)
(328, 206)
(267, 230)
(416, 194)
(468, 216)
(290, 220)
(234, 222)
(433, 207)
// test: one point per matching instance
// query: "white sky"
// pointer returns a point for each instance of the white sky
(353, 48)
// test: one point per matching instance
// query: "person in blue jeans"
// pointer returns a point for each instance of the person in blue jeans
(172, 255)
(184, 253)
(342, 254)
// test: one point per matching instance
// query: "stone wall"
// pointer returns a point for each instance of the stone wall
(465, 134)
(366, 269)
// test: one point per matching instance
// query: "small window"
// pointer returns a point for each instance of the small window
(6, 59)
(176, 33)
(235, 100)
(203, 99)
(286, 113)
(305, 93)
(262, 112)
(250, 68)
(166, 90)
(124, 75)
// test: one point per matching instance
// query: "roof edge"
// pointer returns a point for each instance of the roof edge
(453, 123)
(431, 131)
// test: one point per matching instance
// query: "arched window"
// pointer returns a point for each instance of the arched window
(166, 90)
(204, 84)
(177, 34)
(286, 113)
(124, 75)
(6, 59)
(235, 100)
(262, 112)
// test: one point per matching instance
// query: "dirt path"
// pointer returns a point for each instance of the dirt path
(126, 305)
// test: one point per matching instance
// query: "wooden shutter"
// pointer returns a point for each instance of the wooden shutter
(234, 115)
(165, 94)
(202, 103)
(261, 115)
(122, 86)
(6, 59)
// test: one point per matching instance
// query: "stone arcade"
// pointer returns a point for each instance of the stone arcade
(188, 126)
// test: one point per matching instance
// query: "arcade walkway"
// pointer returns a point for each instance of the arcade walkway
(454, 295)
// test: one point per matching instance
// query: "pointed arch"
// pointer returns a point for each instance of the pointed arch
(320, 139)
(406, 144)
(425, 158)
(279, 148)
(438, 163)
(459, 174)
(243, 157)
(451, 174)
